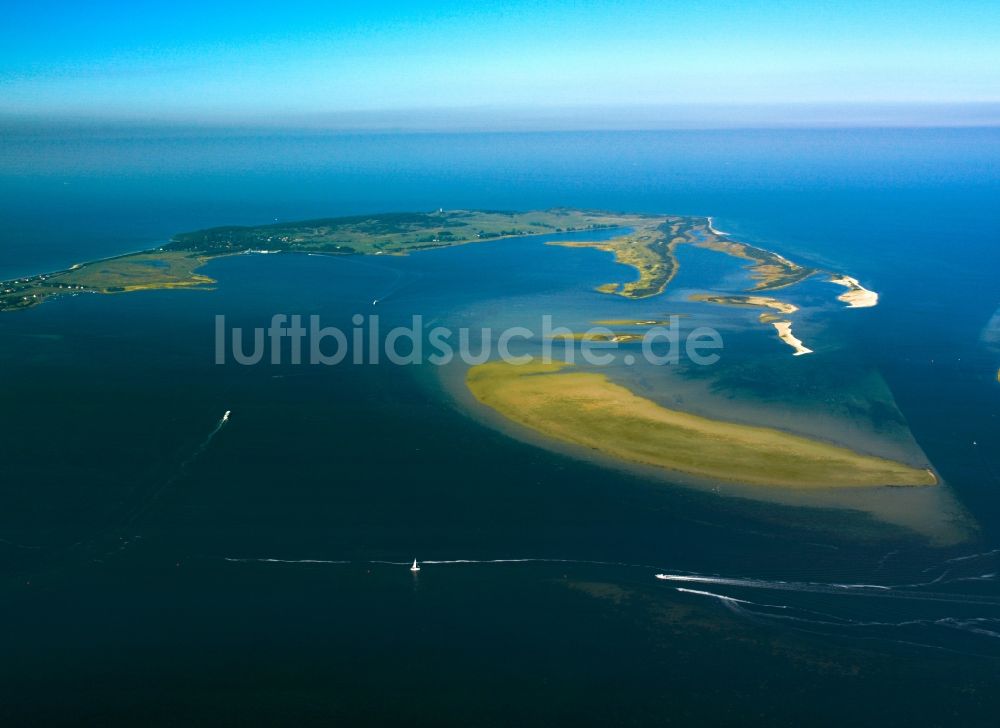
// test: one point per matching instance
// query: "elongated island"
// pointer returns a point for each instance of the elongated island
(579, 407)
(175, 264)
(647, 244)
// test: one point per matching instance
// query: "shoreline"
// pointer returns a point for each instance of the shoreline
(856, 296)
(785, 334)
(929, 512)
(714, 230)
(646, 244)
(385, 233)
(586, 409)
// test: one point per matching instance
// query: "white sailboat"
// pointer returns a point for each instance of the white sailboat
(415, 567)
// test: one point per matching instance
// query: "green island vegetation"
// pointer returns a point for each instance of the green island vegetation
(135, 272)
(648, 245)
(585, 408)
(747, 301)
(174, 265)
(651, 249)
(768, 269)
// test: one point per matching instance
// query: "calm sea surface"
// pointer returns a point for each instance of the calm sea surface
(155, 567)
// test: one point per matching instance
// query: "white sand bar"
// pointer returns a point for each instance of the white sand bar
(857, 296)
(785, 334)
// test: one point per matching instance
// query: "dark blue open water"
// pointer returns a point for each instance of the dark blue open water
(153, 572)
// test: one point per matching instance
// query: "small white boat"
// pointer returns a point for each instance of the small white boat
(415, 567)
(225, 417)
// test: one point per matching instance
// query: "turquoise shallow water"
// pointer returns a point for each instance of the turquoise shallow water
(154, 571)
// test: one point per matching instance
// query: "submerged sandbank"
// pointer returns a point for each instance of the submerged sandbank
(585, 408)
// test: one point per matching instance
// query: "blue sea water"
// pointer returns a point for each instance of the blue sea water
(157, 568)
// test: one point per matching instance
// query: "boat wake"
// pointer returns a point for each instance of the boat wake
(969, 635)
(286, 561)
(929, 616)
(441, 562)
(937, 614)
(207, 441)
(896, 591)
(180, 472)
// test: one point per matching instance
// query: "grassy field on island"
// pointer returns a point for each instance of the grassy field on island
(587, 409)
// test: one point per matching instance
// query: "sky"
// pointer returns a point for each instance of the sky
(270, 60)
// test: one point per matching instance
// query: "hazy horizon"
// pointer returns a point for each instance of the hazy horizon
(186, 60)
(528, 119)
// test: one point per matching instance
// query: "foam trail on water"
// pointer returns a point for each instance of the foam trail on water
(970, 557)
(484, 561)
(866, 590)
(392, 287)
(806, 619)
(200, 449)
(284, 561)
(528, 561)
(971, 625)
(727, 598)
(930, 631)
(180, 472)
(722, 597)
(763, 584)
(444, 562)
(208, 440)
